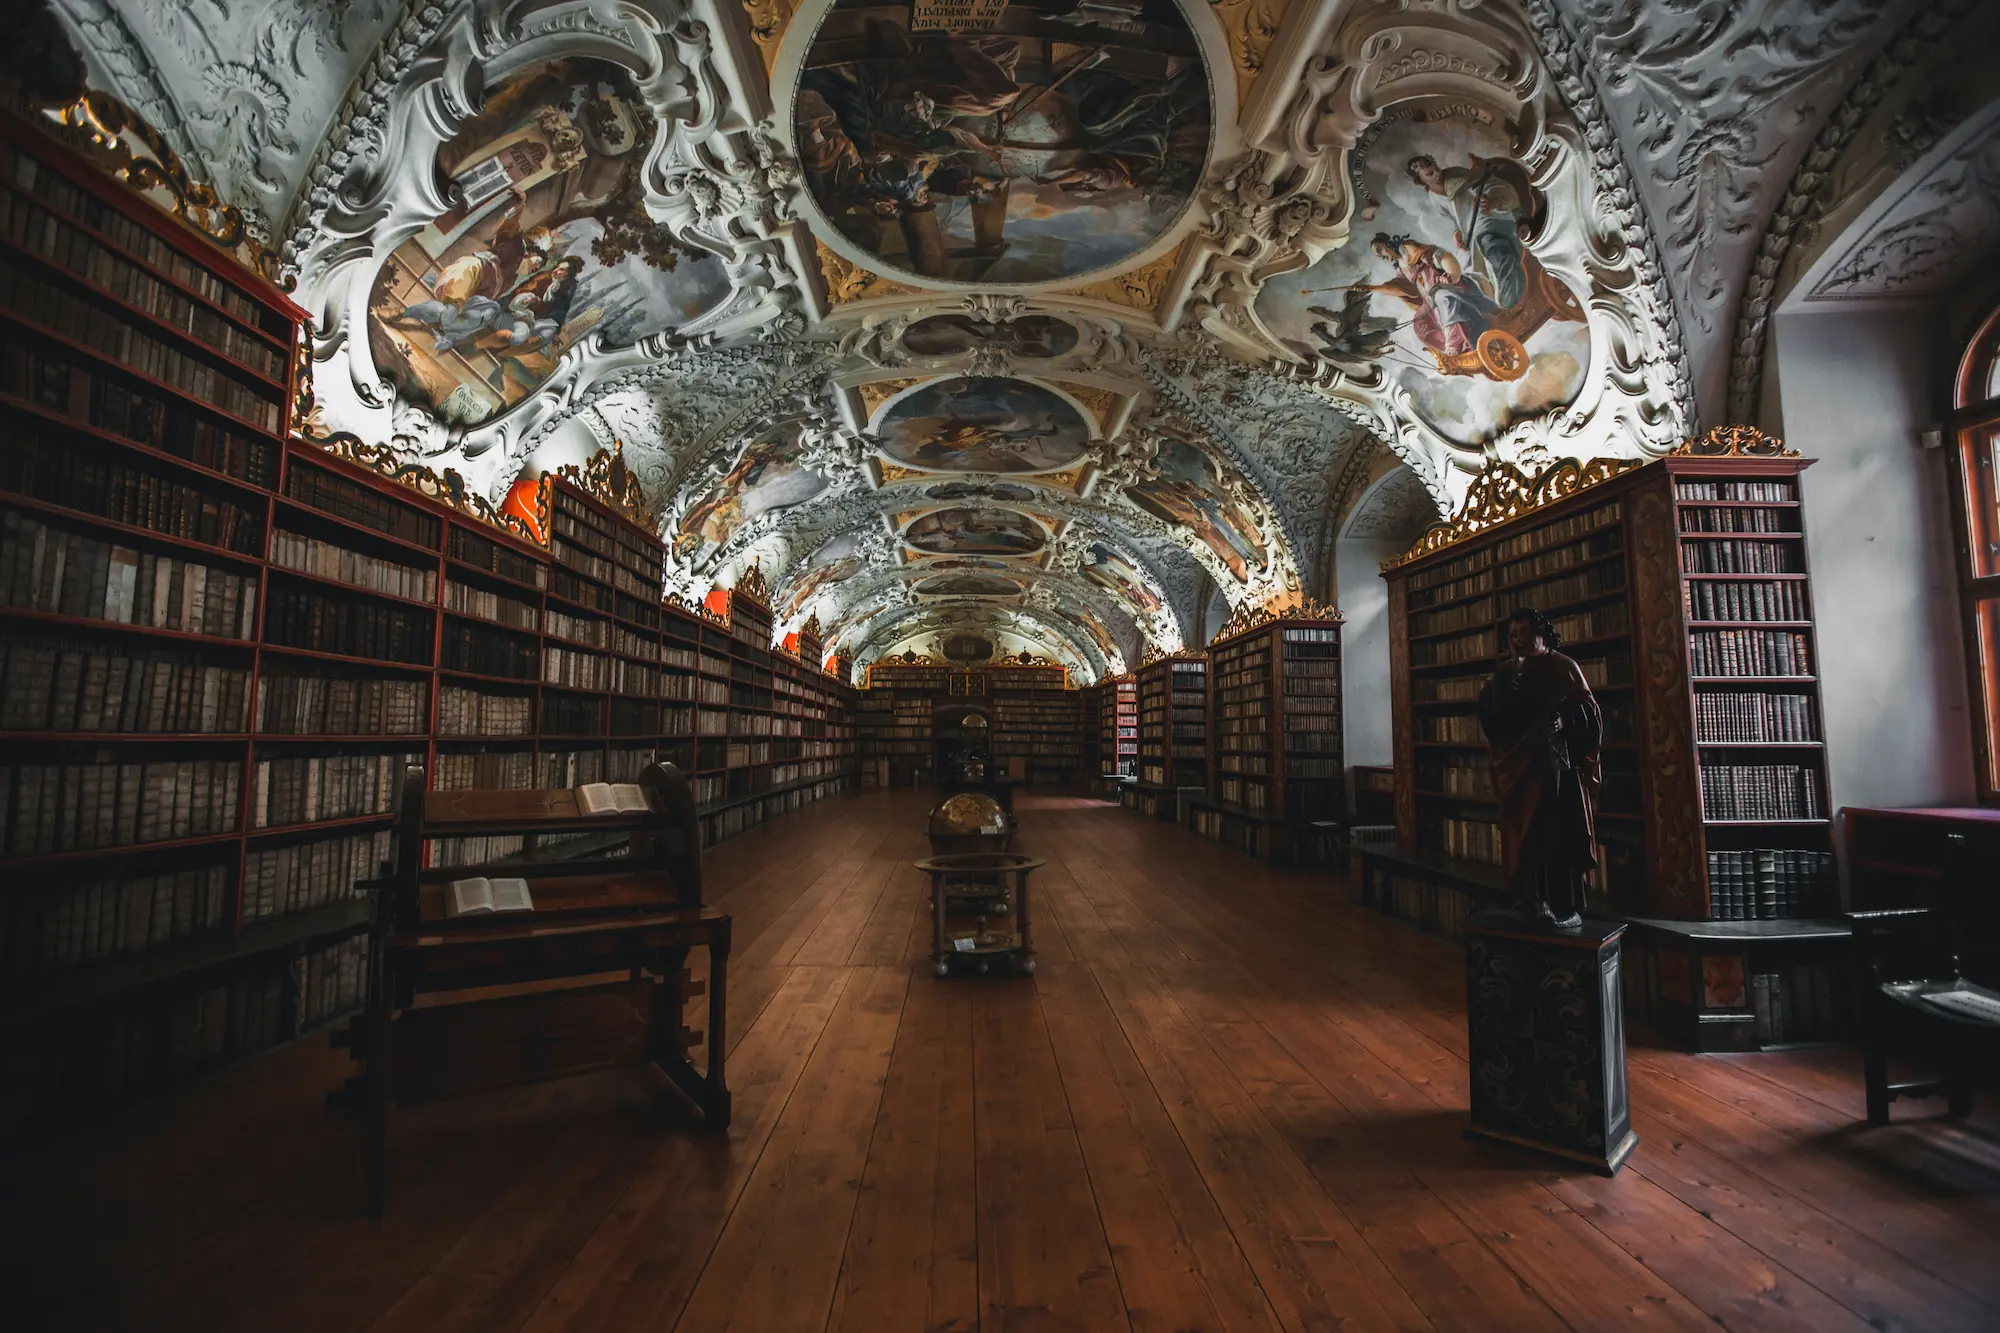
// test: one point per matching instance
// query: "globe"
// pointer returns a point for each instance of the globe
(967, 813)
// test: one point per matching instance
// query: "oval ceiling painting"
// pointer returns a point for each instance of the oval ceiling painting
(968, 585)
(1018, 142)
(1036, 337)
(983, 424)
(549, 240)
(1439, 285)
(976, 532)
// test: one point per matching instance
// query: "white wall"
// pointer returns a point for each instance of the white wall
(1364, 645)
(1855, 388)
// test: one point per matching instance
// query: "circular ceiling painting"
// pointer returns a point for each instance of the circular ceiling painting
(976, 532)
(983, 425)
(1053, 141)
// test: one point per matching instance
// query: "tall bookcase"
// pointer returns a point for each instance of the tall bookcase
(1173, 732)
(222, 646)
(1275, 733)
(1118, 721)
(1682, 589)
(1036, 717)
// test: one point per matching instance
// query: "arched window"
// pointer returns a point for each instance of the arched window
(1976, 426)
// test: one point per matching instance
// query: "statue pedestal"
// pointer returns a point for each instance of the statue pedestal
(1548, 1038)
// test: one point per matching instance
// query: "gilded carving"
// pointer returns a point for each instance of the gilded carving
(605, 477)
(1502, 492)
(446, 486)
(877, 392)
(1140, 289)
(1247, 618)
(1735, 442)
(847, 281)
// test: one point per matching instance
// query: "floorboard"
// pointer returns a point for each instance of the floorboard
(1228, 1102)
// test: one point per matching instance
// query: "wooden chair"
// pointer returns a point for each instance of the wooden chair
(607, 944)
(1929, 988)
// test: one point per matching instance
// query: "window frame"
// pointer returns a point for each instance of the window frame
(1973, 426)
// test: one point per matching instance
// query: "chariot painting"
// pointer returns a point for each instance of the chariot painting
(1013, 143)
(1439, 285)
(1110, 570)
(548, 240)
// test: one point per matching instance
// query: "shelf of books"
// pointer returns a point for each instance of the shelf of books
(893, 720)
(1173, 733)
(1681, 589)
(1036, 717)
(1275, 739)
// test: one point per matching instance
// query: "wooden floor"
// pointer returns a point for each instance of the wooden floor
(1228, 1101)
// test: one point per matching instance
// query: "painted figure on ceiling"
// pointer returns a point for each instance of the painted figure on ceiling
(1486, 204)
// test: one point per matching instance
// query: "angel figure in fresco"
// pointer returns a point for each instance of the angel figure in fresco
(1487, 204)
(1451, 313)
(716, 517)
(469, 291)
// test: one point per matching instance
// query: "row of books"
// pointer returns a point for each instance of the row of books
(45, 183)
(304, 789)
(51, 569)
(1748, 492)
(624, 641)
(577, 629)
(638, 678)
(1454, 689)
(582, 671)
(159, 1044)
(1474, 780)
(468, 712)
(1749, 652)
(103, 919)
(1604, 671)
(1803, 1002)
(327, 705)
(639, 555)
(330, 493)
(69, 685)
(1452, 729)
(1304, 768)
(1249, 795)
(484, 652)
(1557, 560)
(326, 622)
(38, 465)
(572, 588)
(1599, 622)
(1479, 647)
(470, 548)
(1608, 577)
(56, 383)
(310, 555)
(1559, 533)
(1462, 839)
(511, 770)
(1768, 884)
(1724, 716)
(470, 601)
(297, 877)
(1707, 555)
(1724, 599)
(1438, 908)
(83, 806)
(572, 715)
(1759, 792)
(1704, 518)
(29, 296)
(331, 981)
(65, 245)
(1257, 765)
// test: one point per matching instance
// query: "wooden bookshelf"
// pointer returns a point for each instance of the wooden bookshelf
(1275, 734)
(1173, 732)
(1035, 714)
(1036, 726)
(1681, 588)
(250, 638)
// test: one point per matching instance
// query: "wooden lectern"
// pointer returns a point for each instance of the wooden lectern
(450, 1010)
(1548, 1038)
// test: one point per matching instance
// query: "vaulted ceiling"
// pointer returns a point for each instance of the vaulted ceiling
(1044, 320)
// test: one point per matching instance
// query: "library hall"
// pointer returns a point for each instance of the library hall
(1000, 666)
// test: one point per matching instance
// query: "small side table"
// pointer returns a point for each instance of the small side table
(1548, 1038)
(969, 891)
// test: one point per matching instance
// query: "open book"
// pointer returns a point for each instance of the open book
(603, 798)
(476, 897)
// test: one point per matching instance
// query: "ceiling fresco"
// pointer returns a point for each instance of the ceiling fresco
(1123, 304)
(1056, 140)
(982, 424)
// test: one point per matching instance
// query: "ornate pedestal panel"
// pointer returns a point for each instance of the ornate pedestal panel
(1548, 1038)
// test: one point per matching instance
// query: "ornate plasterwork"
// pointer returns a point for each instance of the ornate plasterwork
(1933, 227)
(718, 185)
(244, 88)
(1822, 182)
(1504, 492)
(1716, 103)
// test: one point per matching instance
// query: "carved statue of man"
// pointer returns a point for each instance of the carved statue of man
(1543, 730)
